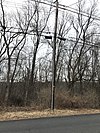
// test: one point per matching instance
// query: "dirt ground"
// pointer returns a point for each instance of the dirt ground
(24, 113)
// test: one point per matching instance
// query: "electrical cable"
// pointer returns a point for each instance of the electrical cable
(61, 7)
(88, 43)
(73, 4)
(64, 7)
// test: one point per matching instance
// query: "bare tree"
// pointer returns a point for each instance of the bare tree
(39, 23)
(81, 27)
(13, 39)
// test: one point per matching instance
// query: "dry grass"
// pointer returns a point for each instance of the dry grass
(65, 105)
(26, 114)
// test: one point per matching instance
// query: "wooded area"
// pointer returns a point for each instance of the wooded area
(26, 55)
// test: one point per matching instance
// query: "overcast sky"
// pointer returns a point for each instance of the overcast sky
(60, 1)
(65, 2)
(10, 5)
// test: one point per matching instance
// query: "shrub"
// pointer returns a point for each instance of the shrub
(88, 100)
(16, 101)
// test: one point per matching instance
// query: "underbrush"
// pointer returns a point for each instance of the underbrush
(63, 100)
(88, 99)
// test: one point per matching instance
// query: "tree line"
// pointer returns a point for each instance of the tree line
(26, 33)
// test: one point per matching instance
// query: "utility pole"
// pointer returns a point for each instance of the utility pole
(54, 60)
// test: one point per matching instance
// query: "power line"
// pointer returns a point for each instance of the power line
(62, 7)
(44, 34)
(20, 4)
(83, 13)
(87, 43)
(70, 9)
(73, 4)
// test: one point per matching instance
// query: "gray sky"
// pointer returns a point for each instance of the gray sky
(64, 2)
(67, 2)
(42, 50)
(11, 5)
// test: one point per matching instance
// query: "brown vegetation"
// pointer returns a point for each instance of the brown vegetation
(42, 97)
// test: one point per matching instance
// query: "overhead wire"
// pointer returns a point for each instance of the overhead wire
(61, 7)
(87, 43)
(73, 4)
(68, 8)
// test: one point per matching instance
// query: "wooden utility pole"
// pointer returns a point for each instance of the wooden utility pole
(54, 60)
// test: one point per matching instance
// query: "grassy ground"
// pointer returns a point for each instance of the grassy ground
(25, 113)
